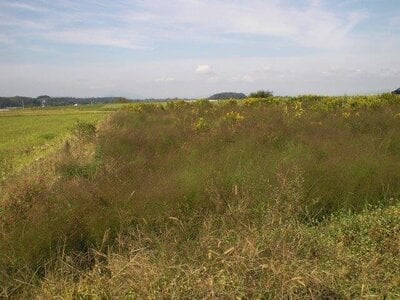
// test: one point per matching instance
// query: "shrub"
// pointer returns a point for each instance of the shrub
(261, 94)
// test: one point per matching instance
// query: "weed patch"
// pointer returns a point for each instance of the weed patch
(267, 198)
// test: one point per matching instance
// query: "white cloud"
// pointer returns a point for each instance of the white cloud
(4, 39)
(389, 72)
(110, 38)
(313, 26)
(22, 6)
(204, 20)
(248, 78)
(345, 72)
(165, 79)
(204, 70)
(103, 86)
(394, 22)
(243, 78)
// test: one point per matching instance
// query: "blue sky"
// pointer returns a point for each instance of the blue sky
(193, 48)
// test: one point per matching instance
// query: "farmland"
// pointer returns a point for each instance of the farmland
(27, 135)
(259, 198)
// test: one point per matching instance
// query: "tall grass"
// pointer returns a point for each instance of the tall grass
(265, 198)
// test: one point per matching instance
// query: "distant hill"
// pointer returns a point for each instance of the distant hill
(397, 92)
(229, 95)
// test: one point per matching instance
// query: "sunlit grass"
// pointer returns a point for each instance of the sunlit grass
(28, 134)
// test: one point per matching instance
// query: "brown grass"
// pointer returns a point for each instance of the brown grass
(270, 199)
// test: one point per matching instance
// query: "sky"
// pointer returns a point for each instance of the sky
(195, 48)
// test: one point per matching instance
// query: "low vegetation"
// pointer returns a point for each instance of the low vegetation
(262, 198)
(28, 135)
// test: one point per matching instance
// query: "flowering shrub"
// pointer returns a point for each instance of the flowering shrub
(298, 109)
(233, 117)
(201, 125)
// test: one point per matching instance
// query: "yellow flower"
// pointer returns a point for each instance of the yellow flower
(233, 117)
(201, 125)
(346, 114)
(298, 108)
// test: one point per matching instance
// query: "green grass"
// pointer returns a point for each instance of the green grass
(26, 135)
(294, 198)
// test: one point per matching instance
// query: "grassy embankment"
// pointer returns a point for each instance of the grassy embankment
(274, 198)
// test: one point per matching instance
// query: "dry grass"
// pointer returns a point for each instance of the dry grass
(274, 198)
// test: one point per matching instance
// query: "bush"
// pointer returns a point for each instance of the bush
(261, 94)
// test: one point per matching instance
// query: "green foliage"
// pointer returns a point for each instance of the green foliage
(203, 103)
(177, 105)
(261, 94)
(141, 107)
(259, 101)
(48, 136)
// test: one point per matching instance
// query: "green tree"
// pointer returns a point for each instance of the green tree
(261, 94)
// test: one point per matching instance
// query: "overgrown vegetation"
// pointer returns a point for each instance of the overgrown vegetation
(269, 198)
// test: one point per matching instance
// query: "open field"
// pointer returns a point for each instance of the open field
(28, 134)
(294, 198)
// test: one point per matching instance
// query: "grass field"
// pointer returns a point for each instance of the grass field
(28, 134)
(277, 198)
